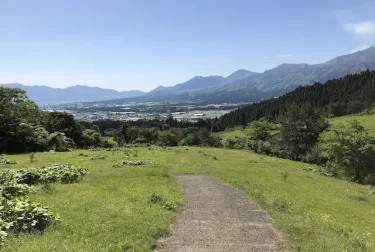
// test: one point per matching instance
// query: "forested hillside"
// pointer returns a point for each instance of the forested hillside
(337, 97)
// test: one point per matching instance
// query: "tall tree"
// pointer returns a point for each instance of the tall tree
(350, 151)
(300, 128)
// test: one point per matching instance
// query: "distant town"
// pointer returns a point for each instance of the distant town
(136, 111)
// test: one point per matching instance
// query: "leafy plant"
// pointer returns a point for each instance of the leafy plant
(22, 215)
(285, 175)
(12, 189)
(32, 157)
(98, 157)
(59, 173)
(135, 163)
(155, 199)
(170, 206)
(6, 161)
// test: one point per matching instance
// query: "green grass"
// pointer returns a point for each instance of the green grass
(110, 208)
(235, 132)
(107, 211)
(366, 120)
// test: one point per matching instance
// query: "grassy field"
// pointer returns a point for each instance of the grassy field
(367, 121)
(110, 210)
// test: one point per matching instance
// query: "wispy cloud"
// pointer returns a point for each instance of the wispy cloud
(360, 48)
(279, 56)
(359, 22)
(364, 28)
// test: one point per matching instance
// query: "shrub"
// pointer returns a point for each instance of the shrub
(22, 215)
(58, 173)
(285, 176)
(350, 151)
(6, 161)
(170, 206)
(59, 142)
(12, 189)
(135, 163)
(154, 199)
(235, 142)
(98, 158)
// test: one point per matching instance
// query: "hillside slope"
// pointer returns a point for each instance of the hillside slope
(356, 88)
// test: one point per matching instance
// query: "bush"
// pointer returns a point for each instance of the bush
(98, 157)
(17, 212)
(235, 142)
(58, 173)
(135, 163)
(12, 189)
(6, 161)
(167, 138)
(22, 215)
(350, 152)
(59, 142)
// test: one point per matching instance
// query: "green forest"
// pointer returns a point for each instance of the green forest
(348, 95)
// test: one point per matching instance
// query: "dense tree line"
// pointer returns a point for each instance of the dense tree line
(337, 97)
(302, 134)
(212, 125)
(167, 136)
(25, 128)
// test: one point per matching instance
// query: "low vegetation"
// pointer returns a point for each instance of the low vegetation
(132, 206)
(20, 214)
(344, 150)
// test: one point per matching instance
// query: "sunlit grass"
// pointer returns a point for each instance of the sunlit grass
(110, 208)
(366, 120)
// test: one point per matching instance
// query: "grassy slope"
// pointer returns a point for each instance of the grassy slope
(109, 208)
(367, 121)
(104, 212)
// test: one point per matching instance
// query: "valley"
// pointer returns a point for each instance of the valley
(187, 126)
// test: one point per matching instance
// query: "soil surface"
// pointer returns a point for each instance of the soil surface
(218, 217)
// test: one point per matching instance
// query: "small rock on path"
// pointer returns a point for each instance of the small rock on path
(217, 217)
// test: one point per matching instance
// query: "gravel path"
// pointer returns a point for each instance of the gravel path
(217, 217)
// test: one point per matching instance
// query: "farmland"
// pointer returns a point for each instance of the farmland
(110, 209)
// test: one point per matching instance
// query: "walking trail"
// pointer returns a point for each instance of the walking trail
(217, 217)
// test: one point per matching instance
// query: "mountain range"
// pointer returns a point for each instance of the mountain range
(240, 86)
(78, 93)
(247, 86)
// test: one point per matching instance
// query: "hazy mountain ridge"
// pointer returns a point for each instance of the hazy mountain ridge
(240, 86)
(197, 82)
(286, 76)
(240, 74)
(45, 94)
(273, 82)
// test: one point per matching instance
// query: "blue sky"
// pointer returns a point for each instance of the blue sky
(141, 44)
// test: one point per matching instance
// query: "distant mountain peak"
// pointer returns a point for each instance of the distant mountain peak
(45, 94)
(240, 74)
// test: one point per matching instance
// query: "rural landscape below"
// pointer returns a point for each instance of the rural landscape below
(140, 157)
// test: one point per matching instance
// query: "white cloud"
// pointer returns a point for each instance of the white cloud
(279, 56)
(364, 28)
(360, 48)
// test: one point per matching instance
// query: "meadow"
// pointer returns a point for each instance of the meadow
(366, 120)
(110, 209)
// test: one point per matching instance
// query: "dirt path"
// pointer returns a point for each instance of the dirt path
(217, 217)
